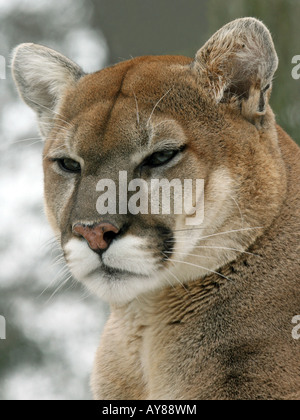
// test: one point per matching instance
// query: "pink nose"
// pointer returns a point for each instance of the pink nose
(98, 236)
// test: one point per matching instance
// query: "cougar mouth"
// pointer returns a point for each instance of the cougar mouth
(116, 273)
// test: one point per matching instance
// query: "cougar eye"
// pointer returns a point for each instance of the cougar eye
(69, 165)
(160, 158)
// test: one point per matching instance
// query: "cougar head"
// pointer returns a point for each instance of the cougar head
(158, 170)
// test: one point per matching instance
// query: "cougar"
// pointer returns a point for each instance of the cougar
(200, 309)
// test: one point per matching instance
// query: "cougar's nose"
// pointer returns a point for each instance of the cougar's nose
(98, 236)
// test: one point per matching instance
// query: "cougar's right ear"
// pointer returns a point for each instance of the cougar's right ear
(237, 66)
(41, 76)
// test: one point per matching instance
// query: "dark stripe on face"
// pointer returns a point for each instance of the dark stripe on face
(167, 240)
(110, 111)
(66, 219)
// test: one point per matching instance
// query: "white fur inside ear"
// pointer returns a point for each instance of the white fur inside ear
(39, 70)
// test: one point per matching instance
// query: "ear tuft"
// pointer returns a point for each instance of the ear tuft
(41, 76)
(238, 63)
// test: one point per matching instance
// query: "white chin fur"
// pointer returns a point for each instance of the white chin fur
(136, 269)
(127, 254)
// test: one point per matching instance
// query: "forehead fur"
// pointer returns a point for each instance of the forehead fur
(144, 80)
(115, 105)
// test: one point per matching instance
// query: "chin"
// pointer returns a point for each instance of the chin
(120, 288)
(113, 279)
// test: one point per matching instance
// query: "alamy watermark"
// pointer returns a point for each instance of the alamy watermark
(2, 328)
(156, 196)
(296, 329)
(2, 67)
(296, 69)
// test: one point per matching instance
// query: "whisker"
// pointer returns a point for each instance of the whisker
(38, 140)
(56, 119)
(56, 149)
(85, 295)
(156, 105)
(176, 278)
(58, 260)
(59, 288)
(137, 109)
(222, 247)
(162, 122)
(61, 272)
(172, 285)
(35, 142)
(50, 242)
(214, 234)
(228, 249)
(23, 140)
(191, 255)
(48, 109)
(203, 268)
(72, 285)
(239, 208)
(51, 125)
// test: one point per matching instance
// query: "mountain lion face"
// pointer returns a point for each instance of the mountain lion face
(123, 145)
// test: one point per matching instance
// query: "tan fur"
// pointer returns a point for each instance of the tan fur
(213, 321)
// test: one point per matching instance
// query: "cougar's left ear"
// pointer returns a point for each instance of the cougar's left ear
(238, 64)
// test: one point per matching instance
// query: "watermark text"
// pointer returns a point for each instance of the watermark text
(296, 69)
(296, 329)
(2, 328)
(2, 68)
(156, 196)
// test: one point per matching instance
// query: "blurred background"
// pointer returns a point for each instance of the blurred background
(54, 325)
